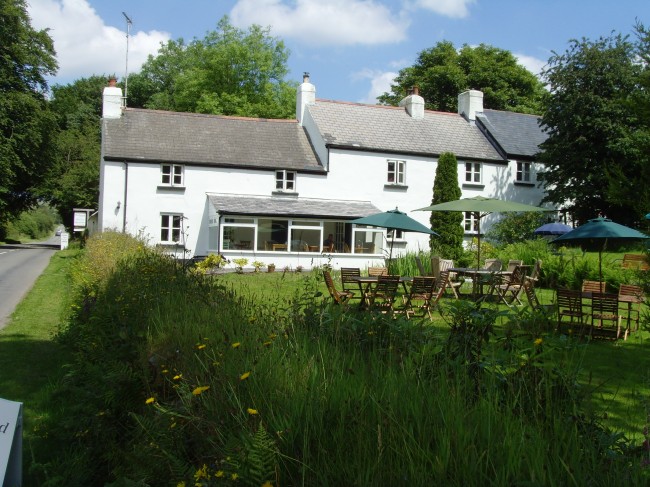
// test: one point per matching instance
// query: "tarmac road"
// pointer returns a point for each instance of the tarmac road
(20, 266)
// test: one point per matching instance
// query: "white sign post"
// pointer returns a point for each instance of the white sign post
(65, 237)
(11, 443)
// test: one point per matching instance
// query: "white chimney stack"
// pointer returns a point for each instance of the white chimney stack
(306, 96)
(112, 100)
(414, 104)
(470, 103)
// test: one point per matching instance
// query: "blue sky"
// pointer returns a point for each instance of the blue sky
(351, 48)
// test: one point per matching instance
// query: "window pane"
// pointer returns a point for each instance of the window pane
(305, 240)
(166, 173)
(368, 241)
(271, 232)
(178, 175)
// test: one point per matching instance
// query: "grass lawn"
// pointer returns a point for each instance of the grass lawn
(615, 375)
(29, 357)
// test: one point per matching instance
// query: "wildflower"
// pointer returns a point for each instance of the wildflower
(234, 476)
(200, 390)
(218, 474)
(151, 400)
(252, 411)
(178, 376)
(201, 346)
(165, 371)
(244, 376)
(538, 342)
(181, 484)
(267, 484)
(202, 473)
(235, 345)
(267, 344)
(272, 336)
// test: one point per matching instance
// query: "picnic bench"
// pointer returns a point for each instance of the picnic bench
(635, 261)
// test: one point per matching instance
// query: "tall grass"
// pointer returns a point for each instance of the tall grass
(179, 379)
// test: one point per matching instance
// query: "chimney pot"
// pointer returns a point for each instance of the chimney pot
(416, 90)
(112, 81)
(305, 77)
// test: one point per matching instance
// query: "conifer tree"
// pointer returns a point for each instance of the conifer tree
(448, 224)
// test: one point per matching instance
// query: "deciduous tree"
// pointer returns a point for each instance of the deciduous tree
(594, 155)
(229, 72)
(27, 127)
(442, 73)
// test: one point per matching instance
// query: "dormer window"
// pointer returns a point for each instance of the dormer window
(285, 180)
(171, 175)
(396, 172)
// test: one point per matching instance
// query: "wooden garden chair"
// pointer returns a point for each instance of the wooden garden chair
(452, 284)
(604, 308)
(338, 297)
(349, 281)
(632, 296)
(419, 296)
(569, 305)
(511, 286)
(382, 295)
(377, 271)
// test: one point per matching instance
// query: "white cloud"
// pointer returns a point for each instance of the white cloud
(85, 45)
(319, 22)
(380, 82)
(448, 8)
(532, 64)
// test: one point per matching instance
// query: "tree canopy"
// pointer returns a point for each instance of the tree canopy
(27, 126)
(596, 155)
(442, 73)
(229, 72)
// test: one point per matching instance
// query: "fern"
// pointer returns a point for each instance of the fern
(254, 459)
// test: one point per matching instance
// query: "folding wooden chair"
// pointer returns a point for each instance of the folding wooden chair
(604, 308)
(349, 281)
(419, 296)
(594, 287)
(512, 263)
(338, 297)
(377, 271)
(382, 295)
(511, 286)
(421, 268)
(569, 305)
(632, 296)
(452, 284)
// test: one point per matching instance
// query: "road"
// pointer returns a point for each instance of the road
(20, 266)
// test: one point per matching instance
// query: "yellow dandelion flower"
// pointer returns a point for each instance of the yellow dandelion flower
(538, 342)
(252, 411)
(173, 425)
(178, 376)
(235, 345)
(244, 376)
(151, 400)
(272, 336)
(200, 390)
(267, 344)
(165, 371)
(218, 474)
(234, 476)
(181, 484)
(267, 484)
(201, 347)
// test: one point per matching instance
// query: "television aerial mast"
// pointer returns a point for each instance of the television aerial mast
(129, 23)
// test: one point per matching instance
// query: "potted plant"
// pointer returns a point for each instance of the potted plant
(239, 264)
(270, 267)
(258, 265)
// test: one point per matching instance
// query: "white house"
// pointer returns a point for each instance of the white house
(273, 190)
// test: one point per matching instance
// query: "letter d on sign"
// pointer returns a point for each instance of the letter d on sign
(11, 443)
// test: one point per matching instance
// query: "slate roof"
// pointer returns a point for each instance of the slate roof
(391, 129)
(290, 206)
(518, 134)
(160, 136)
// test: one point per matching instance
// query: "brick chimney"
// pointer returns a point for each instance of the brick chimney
(470, 103)
(112, 100)
(414, 104)
(306, 95)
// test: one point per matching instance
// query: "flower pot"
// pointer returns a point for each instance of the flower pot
(270, 268)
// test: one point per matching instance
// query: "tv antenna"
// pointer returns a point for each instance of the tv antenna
(129, 23)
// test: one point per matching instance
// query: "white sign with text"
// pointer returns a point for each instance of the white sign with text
(11, 442)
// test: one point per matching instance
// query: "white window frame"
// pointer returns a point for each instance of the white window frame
(397, 174)
(176, 175)
(473, 172)
(171, 227)
(282, 181)
(470, 222)
(524, 172)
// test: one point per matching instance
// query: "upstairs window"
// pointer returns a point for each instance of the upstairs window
(473, 172)
(523, 172)
(396, 170)
(285, 180)
(170, 227)
(171, 174)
